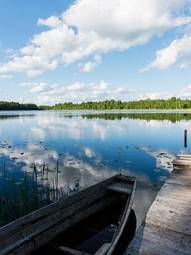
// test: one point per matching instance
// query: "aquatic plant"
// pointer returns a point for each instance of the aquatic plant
(34, 190)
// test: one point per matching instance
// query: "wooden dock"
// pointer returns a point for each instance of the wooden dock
(167, 227)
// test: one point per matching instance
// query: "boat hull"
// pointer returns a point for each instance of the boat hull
(39, 228)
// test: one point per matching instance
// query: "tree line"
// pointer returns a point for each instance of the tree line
(12, 106)
(172, 103)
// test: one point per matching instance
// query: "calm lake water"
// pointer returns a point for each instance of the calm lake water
(67, 151)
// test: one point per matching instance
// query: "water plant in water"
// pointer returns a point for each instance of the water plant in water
(33, 190)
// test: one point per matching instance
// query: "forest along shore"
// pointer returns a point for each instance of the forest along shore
(172, 103)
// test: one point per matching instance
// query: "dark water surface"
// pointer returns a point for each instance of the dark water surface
(44, 155)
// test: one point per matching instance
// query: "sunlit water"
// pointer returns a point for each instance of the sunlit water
(81, 148)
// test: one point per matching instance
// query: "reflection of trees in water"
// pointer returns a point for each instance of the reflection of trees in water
(173, 117)
(14, 116)
(4, 117)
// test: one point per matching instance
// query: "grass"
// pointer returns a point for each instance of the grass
(19, 197)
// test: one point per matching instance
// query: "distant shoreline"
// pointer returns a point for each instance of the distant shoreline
(165, 105)
(127, 111)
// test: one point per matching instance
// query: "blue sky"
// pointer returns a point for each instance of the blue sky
(57, 51)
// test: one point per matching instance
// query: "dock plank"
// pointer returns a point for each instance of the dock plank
(167, 227)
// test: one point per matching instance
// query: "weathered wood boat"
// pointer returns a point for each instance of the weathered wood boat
(64, 226)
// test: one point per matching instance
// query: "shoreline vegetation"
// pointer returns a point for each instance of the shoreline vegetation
(147, 104)
(30, 190)
(172, 103)
(14, 106)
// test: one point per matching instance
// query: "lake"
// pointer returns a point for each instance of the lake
(45, 155)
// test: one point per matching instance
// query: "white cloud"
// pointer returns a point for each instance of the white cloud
(71, 169)
(53, 93)
(183, 93)
(89, 66)
(89, 152)
(91, 27)
(26, 84)
(156, 95)
(78, 92)
(164, 158)
(5, 76)
(38, 133)
(52, 22)
(43, 87)
(178, 52)
(186, 92)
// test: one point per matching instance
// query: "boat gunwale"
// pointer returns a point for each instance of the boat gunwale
(125, 215)
(123, 221)
(44, 211)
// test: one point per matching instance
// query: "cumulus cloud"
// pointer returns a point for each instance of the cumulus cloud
(53, 93)
(157, 95)
(52, 22)
(91, 27)
(163, 158)
(71, 169)
(89, 66)
(77, 92)
(43, 87)
(5, 76)
(186, 92)
(178, 52)
(89, 152)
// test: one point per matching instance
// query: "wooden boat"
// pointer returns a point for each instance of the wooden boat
(59, 226)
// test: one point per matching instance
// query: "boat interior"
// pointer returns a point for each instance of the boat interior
(94, 234)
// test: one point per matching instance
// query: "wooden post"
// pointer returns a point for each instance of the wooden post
(185, 138)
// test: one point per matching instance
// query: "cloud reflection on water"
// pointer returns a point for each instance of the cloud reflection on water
(90, 149)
